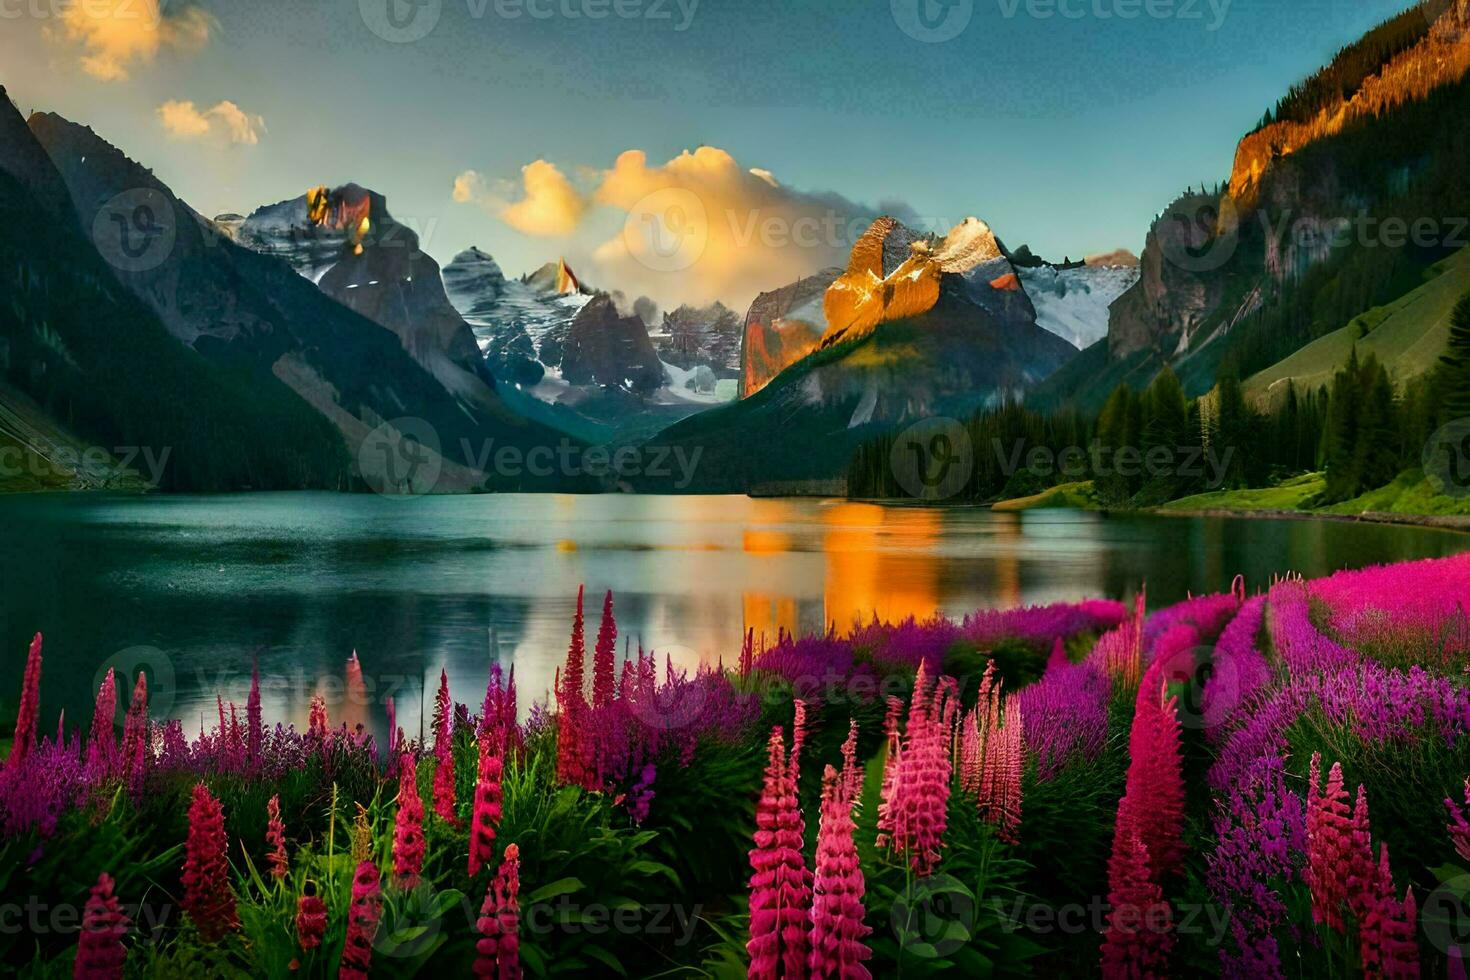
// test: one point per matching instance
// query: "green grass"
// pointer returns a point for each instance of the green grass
(1070, 496)
(1293, 494)
(1411, 493)
(1407, 335)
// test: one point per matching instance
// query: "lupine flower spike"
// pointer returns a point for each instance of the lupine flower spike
(780, 888)
(362, 923)
(275, 836)
(207, 895)
(498, 951)
(28, 717)
(486, 815)
(408, 826)
(311, 918)
(100, 949)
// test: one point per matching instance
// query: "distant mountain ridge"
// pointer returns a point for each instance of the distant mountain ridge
(253, 313)
(960, 334)
(1291, 246)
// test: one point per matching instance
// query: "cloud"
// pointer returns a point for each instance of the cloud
(226, 121)
(697, 228)
(114, 35)
(545, 203)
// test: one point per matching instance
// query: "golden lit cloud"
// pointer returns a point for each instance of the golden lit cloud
(545, 203)
(116, 35)
(697, 228)
(227, 121)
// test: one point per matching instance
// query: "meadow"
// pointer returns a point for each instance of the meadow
(1250, 784)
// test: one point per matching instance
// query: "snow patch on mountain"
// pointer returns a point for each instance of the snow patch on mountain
(1073, 303)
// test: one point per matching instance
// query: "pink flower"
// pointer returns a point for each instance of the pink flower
(255, 728)
(207, 895)
(275, 836)
(316, 720)
(1387, 945)
(444, 792)
(102, 746)
(498, 951)
(1459, 828)
(1153, 798)
(486, 815)
(1329, 844)
(781, 886)
(100, 949)
(603, 655)
(1138, 938)
(838, 930)
(362, 923)
(135, 743)
(571, 751)
(912, 814)
(408, 826)
(311, 918)
(28, 717)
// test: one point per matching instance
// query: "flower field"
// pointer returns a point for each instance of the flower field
(1251, 784)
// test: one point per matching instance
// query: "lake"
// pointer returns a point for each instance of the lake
(196, 589)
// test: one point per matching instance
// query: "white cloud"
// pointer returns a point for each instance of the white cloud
(225, 121)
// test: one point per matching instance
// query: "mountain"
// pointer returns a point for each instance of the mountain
(252, 312)
(1072, 301)
(1407, 336)
(92, 365)
(345, 240)
(520, 324)
(603, 347)
(782, 326)
(575, 357)
(692, 337)
(1322, 218)
(916, 327)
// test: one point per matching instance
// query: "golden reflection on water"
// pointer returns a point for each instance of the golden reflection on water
(875, 565)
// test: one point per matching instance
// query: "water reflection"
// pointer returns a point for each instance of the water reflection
(212, 585)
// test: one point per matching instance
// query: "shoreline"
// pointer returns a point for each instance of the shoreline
(1443, 522)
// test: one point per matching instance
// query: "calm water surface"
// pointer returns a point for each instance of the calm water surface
(195, 589)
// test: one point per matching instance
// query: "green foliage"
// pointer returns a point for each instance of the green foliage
(1456, 370)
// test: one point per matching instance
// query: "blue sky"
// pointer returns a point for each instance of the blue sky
(1065, 132)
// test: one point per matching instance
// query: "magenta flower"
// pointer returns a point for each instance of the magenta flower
(207, 895)
(28, 717)
(408, 826)
(275, 836)
(362, 923)
(781, 886)
(486, 814)
(838, 930)
(1139, 936)
(100, 950)
(498, 950)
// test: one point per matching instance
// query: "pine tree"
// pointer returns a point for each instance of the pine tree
(1455, 370)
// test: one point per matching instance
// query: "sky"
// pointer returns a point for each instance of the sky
(539, 128)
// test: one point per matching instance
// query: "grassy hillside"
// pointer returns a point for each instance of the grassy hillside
(1407, 335)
